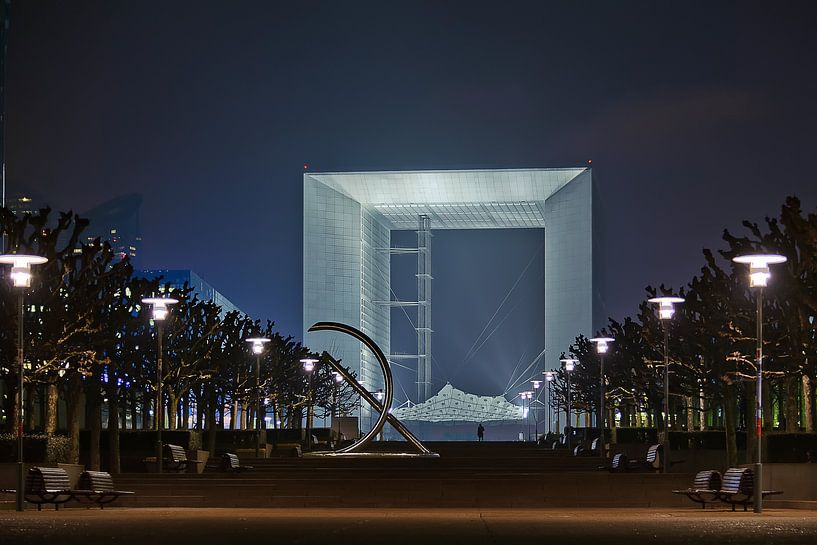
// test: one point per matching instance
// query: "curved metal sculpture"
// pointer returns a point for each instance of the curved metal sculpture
(385, 407)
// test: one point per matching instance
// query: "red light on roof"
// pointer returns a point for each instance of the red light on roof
(590, 161)
(306, 166)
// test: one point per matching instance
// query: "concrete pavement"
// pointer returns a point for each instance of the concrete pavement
(407, 526)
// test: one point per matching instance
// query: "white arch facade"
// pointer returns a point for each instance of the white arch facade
(349, 216)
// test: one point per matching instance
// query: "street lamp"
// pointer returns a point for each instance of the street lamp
(336, 393)
(380, 395)
(666, 310)
(20, 278)
(160, 310)
(529, 397)
(526, 395)
(569, 364)
(602, 345)
(335, 401)
(258, 349)
(309, 367)
(536, 385)
(548, 380)
(759, 275)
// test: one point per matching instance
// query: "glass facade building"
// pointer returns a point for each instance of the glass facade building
(177, 278)
(349, 217)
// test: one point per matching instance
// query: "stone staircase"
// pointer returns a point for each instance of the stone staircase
(465, 475)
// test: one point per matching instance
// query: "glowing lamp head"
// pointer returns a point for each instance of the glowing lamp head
(21, 277)
(160, 305)
(666, 306)
(569, 364)
(536, 384)
(759, 272)
(602, 344)
(338, 376)
(379, 395)
(21, 267)
(309, 364)
(258, 344)
(759, 276)
(548, 376)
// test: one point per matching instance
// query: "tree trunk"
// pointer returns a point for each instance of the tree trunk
(29, 412)
(146, 419)
(113, 434)
(172, 409)
(134, 412)
(234, 416)
(730, 419)
(7, 402)
(243, 416)
(94, 415)
(73, 398)
(201, 403)
(185, 413)
(768, 408)
(52, 398)
(212, 402)
(750, 393)
(702, 411)
(792, 404)
(219, 413)
(690, 412)
(808, 404)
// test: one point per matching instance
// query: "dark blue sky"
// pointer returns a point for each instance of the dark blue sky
(696, 115)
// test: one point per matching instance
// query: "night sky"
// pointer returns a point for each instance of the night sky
(695, 115)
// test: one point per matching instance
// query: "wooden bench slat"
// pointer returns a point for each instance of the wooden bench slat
(97, 487)
(705, 488)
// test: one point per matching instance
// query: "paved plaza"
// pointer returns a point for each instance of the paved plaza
(409, 526)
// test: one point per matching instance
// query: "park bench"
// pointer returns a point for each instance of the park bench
(176, 459)
(46, 485)
(705, 488)
(97, 487)
(738, 487)
(620, 463)
(594, 446)
(231, 464)
(655, 458)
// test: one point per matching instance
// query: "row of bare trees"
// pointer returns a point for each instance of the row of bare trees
(91, 348)
(712, 341)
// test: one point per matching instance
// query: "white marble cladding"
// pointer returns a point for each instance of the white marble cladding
(348, 217)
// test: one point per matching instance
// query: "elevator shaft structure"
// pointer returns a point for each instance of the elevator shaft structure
(423, 328)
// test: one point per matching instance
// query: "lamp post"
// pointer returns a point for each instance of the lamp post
(160, 310)
(759, 275)
(602, 345)
(536, 385)
(523, 396)
(20, 278)
(336, 394)
(309, 367)
(548, 380)
(258, 349)
(569, 364)
(380, 395)
(666, 309)
(335, 401)
(527, 395)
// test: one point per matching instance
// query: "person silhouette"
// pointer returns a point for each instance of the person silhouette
(480, 432)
